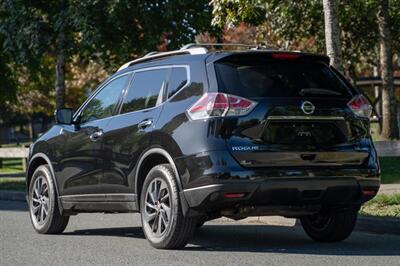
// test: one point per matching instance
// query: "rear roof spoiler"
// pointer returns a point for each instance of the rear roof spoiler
(270, 53)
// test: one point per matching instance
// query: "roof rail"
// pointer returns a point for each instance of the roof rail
(191, 48)
(156, 55)
(249, 46)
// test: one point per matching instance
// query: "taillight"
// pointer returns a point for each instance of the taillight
(360, 106)
(216, 104)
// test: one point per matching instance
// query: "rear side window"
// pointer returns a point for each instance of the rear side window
(144, 90)
(177, 81)
(279, 78)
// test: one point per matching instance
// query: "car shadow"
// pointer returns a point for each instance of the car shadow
(255, 238)
(293, 240)
(268, 239)
(135, 232)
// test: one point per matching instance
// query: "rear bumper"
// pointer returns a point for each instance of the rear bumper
(208, 177)
(289, 192)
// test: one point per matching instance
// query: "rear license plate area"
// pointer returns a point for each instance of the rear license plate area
(303, 132)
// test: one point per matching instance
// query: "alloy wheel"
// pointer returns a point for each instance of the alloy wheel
(319, 221)
(157, 209)
(40, 201)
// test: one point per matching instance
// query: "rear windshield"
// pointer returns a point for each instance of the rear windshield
(279, 78)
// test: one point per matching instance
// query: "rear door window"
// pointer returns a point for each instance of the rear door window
(144, 91)
(279, 78)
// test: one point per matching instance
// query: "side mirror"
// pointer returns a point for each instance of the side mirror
(64, 116)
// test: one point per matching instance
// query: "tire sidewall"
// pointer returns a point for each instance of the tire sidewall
(44, 171)
(162, 172)
(339, 227)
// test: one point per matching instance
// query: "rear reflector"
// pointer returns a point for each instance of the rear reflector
(360, 106)
(234, 195)
(216, 104)
(287, 56)
(369, 192)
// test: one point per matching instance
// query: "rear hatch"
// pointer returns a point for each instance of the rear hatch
(301, 116)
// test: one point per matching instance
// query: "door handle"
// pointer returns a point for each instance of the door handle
(308, 157)
(95, 136)
(145, 123)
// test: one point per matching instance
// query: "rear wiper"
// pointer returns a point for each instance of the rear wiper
(318, 91)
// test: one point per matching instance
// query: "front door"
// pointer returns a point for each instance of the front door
(80, 168)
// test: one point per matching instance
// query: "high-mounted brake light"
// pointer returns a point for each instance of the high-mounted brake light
(216, 104)
(360, 106)
(285, 56)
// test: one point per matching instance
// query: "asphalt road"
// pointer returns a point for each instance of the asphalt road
(117, 239)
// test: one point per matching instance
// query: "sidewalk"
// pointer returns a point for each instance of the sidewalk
(389, 189)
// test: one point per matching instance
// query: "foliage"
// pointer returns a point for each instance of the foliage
(94, 36)
(7, 87)
(111, 32)
(301, 20)
(383, 205)
(390, 167)
(11, 165)
(82, 79)
(250, 34)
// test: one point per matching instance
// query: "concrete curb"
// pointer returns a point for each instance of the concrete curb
(381, 225)
(12, 195)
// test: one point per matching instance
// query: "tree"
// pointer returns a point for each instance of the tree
(108, 32)
(389, 106)
(117, 31)
(332, 34)
(35, 30)
(295, 21)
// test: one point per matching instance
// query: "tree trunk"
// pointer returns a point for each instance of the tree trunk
(378, 95)
(332, 34)
(60, 80)
(390, 128)
(30, 129)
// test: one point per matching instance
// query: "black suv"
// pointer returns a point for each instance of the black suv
(191, 135)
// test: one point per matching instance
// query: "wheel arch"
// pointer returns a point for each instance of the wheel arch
(148, 160)
(37, 160)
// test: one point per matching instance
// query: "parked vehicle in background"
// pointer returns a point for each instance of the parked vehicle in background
(191, 135)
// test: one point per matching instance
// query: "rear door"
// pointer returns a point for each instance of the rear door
(128, 134)
(301, 117)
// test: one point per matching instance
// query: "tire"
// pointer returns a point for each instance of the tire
(201, 221)
(163, 223)
(330, 226)
(42, 198)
